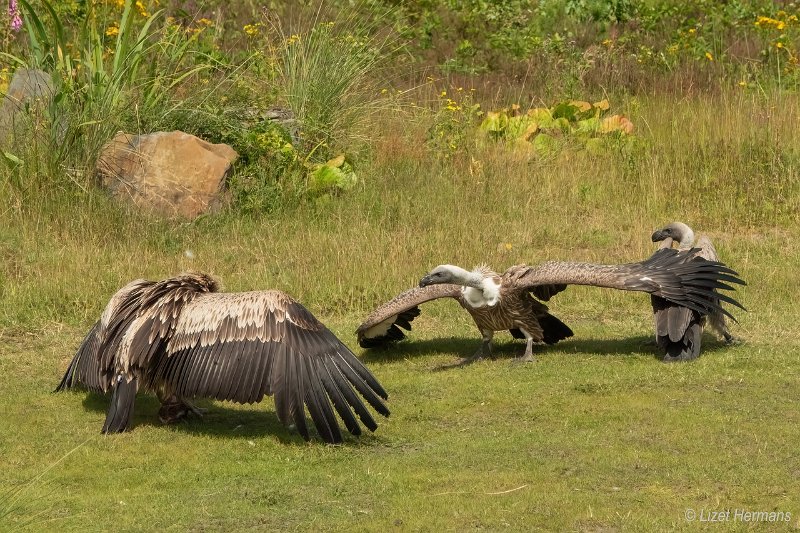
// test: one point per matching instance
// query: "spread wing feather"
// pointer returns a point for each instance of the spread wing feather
(84, 369)
(384, 323)
(93, 363)
(667, 274)
(243, 346)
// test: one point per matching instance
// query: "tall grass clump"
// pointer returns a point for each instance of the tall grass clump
(330, 76)
(315, 91)
(111, 71)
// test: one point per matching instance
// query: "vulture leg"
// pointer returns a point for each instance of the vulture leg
(528, 356)
(483, 352)
(717, 322)
(174, 409)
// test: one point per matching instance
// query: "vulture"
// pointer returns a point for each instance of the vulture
(511, 301)
(679, 329)
(181, 339)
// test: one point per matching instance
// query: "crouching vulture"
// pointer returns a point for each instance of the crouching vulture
(181, 339)
(679, 329)
(511, 301)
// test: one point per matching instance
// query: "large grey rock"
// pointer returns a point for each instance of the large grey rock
(29, 93)
(172, 173)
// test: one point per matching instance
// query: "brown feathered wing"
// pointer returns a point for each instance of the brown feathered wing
(243, 346)
(666, 273)
(384, 323)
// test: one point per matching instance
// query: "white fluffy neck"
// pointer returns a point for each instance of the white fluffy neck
(479, 289)
(466, 278)
(686, 236)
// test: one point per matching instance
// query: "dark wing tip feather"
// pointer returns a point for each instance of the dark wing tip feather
(393, 334)
(405, 308)
(84, 369)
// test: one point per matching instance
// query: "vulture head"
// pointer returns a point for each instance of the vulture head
(677, 231)
(199, 281)
(442, 274)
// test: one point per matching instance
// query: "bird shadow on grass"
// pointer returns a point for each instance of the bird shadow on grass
(461, 347)
(502, 349)
(410, 349)
(218, 421)
(629, 346)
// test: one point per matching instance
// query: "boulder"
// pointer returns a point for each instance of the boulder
(30, 92)
(172, 173)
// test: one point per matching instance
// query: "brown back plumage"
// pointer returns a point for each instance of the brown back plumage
(179, 337)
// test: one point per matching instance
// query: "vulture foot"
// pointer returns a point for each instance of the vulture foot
(484, 352)
(526, 358)
(173, 412)
(730, 340)
(678, 358)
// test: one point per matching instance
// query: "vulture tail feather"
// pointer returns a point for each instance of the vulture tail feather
(553, 329)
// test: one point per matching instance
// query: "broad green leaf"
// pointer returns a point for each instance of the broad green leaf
(495, 122)
(565, 110)
(519, 126)
(12, 160)
(545, 145)
(588, 125)
(596, 146)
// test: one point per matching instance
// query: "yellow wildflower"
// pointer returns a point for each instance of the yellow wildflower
(112, 30)
(205, 22)
(742, 83)
(763, 21)
(293, 39)
(779, 45)
(141, 8)
(709, 56)
(251, 29)
(443, 94)
(692, 31)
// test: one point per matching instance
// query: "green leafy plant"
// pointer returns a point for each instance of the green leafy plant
(333, 176)
(104, 77)
(453, 122)
(546, 130)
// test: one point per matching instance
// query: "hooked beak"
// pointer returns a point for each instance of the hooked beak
(659, 236)
(424, 282)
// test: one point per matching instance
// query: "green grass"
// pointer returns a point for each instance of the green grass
(598, 435)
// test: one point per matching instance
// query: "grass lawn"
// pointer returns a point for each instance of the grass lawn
(597, 435)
